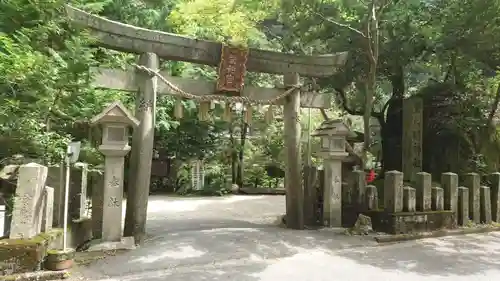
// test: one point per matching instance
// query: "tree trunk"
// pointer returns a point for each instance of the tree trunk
(392, 129)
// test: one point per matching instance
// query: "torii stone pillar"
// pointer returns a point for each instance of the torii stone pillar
(115, 120)
(333, 135)
(142, 152)
(293, 170)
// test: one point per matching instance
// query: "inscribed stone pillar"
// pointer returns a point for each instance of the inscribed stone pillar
(495, 196)
(142, 152)
(113, 197)
(412, 137)
(27, 213)
(423, 188)
(473, 182)
(449, 183)
(371, 197)
(409, 199)
(463, 206)
(332, 202)
(48, 209)
(437, 198)
(293, 162)
(485, 203)
(393, 191)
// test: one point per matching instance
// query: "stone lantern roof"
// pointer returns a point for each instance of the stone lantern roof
(115, 113)
(333, 127)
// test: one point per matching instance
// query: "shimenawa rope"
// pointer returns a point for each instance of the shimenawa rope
(183, 94)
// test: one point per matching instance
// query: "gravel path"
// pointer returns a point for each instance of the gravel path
(236, 238)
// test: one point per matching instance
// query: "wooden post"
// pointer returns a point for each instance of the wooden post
(142, 152)
(293, 171)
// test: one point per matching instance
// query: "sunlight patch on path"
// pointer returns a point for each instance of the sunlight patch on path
(181, 252)
(179, 205)
(318, 265)
(228, 230)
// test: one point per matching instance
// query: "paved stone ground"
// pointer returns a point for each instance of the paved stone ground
(236, 238)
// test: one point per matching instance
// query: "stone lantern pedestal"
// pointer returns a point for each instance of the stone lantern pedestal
(115, 121)
(333, 135)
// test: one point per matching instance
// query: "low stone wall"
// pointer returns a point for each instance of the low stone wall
(405, 222)
(26, 255)
(422, 207)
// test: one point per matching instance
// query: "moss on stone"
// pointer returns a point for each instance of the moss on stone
(24, 255)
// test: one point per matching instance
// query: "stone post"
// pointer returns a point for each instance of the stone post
(495, 196)
(449, 183)
(359, 187)
(78, 190)
(28, 210)
(115, 120)
(423, 189)
(409, 199)
(293, 166)
(56, 179)
(393, 192)
(485, 204)
(48, 209)
(437, 198)
(142, 152)
(463, 206)
(473, 182)
(371, 197)
(333, 134)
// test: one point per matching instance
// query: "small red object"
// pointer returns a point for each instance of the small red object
(371, 176)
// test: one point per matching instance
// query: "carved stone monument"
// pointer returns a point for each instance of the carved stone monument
(115, 121)
(412, 137)
(333, 135)
(28, 210)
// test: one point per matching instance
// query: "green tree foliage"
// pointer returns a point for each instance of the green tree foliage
(45, 80)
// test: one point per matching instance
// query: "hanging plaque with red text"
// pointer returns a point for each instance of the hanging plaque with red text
(232, 69)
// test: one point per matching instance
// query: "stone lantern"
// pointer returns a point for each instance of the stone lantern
(332, 134)
(115, 121)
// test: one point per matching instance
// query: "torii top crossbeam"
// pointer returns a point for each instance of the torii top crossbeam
(124, 37)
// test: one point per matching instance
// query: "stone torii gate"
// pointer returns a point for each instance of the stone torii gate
(155, 45)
